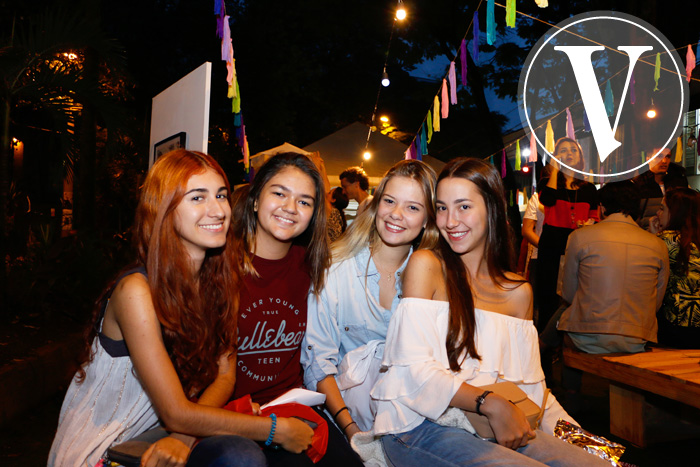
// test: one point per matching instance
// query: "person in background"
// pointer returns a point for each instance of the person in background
(466, 321)
(163, 335)
(336, 218)
(282, 253)
(570, 203)
(349, 318)
(355, 183)
(677, 223)
(661, 176)
(614, 278)
(533, 220)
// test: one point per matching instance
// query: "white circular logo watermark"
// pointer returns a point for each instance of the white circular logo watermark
(613, 81)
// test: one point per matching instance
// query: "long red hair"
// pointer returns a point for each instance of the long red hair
(196, 309)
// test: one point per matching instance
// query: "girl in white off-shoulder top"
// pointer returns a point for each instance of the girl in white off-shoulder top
(465, 322)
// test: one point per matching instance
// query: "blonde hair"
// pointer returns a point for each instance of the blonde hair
(363, 230)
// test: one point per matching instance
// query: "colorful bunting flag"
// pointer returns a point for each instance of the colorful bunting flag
(533, 148)
(236, 101)
(679, 150)
(463, 60)
(657, 72)
(491, 160)
(429, 121)
(503, 164)
(475, 40)
(542, 3)
(609, 100)
(517, 155)
(570, 133)
(689, 62)
(436, 114)
(490, 23)
(423, 141)
(549, 138)
(510, 13)
(586, 123)
(453, 83)
(445, 111)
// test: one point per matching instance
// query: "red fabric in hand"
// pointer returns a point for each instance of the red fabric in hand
(319, 442)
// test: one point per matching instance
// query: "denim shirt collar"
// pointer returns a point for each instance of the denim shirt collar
(361, 264)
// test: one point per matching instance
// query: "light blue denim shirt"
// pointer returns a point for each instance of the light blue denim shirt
(346, 315)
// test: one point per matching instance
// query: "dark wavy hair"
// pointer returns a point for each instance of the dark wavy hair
(499, 253)
(684, 217)
(198, 314)
(314, 239)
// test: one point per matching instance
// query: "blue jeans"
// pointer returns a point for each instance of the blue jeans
(227, 451)
(434, 445)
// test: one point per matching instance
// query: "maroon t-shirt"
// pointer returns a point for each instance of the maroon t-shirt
(271, 326)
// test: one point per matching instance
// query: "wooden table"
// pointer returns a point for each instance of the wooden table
(671, 373)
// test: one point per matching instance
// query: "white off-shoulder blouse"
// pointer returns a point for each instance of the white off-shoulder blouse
(417, 382)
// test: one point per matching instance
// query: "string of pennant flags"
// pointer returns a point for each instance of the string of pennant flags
(223, 31)
(447, 95)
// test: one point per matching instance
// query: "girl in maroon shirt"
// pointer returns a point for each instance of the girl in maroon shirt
(283, 253)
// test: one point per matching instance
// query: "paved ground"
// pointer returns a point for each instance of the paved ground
(25, 442)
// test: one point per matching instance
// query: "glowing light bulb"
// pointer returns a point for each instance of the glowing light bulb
(384, 119)
(651, 113)
(401, 13)
(367, 155)
(526, 169)
(385, 79)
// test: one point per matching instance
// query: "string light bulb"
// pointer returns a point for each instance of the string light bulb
(401, 12)
(385, 78)
(367, 155)
(384, 119)
(651, 113)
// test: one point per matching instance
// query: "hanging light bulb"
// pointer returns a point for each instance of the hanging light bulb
(385, 78)
(526, 168)
(401, 11)
(651, 113)
(367, 155)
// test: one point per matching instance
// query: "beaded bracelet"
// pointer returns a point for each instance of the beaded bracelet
(272, 429)
(335, 417)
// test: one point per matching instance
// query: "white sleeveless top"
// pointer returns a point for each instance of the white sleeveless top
(108, 407)
(418, 382)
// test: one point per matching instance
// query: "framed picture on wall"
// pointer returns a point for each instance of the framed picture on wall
(170, 143)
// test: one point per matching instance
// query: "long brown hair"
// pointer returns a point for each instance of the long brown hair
(315, 238)
(684, 217)
(561, 177)
(499, 254)
(197, 311)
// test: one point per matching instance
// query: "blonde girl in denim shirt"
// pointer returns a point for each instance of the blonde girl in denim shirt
(347, 322)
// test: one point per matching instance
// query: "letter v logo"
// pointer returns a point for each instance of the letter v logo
(582, 64)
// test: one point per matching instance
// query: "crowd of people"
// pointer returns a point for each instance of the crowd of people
(399, 319)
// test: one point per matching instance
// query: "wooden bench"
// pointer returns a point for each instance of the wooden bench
(671, 373)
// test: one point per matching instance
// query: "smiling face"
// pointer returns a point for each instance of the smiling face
(568, 153)
(202, 218)
(284, 210)
(401, 212)
(462, 216)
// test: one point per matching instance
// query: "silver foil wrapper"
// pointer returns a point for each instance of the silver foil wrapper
(594, 444)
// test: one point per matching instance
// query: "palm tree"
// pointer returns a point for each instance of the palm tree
(46, 62)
